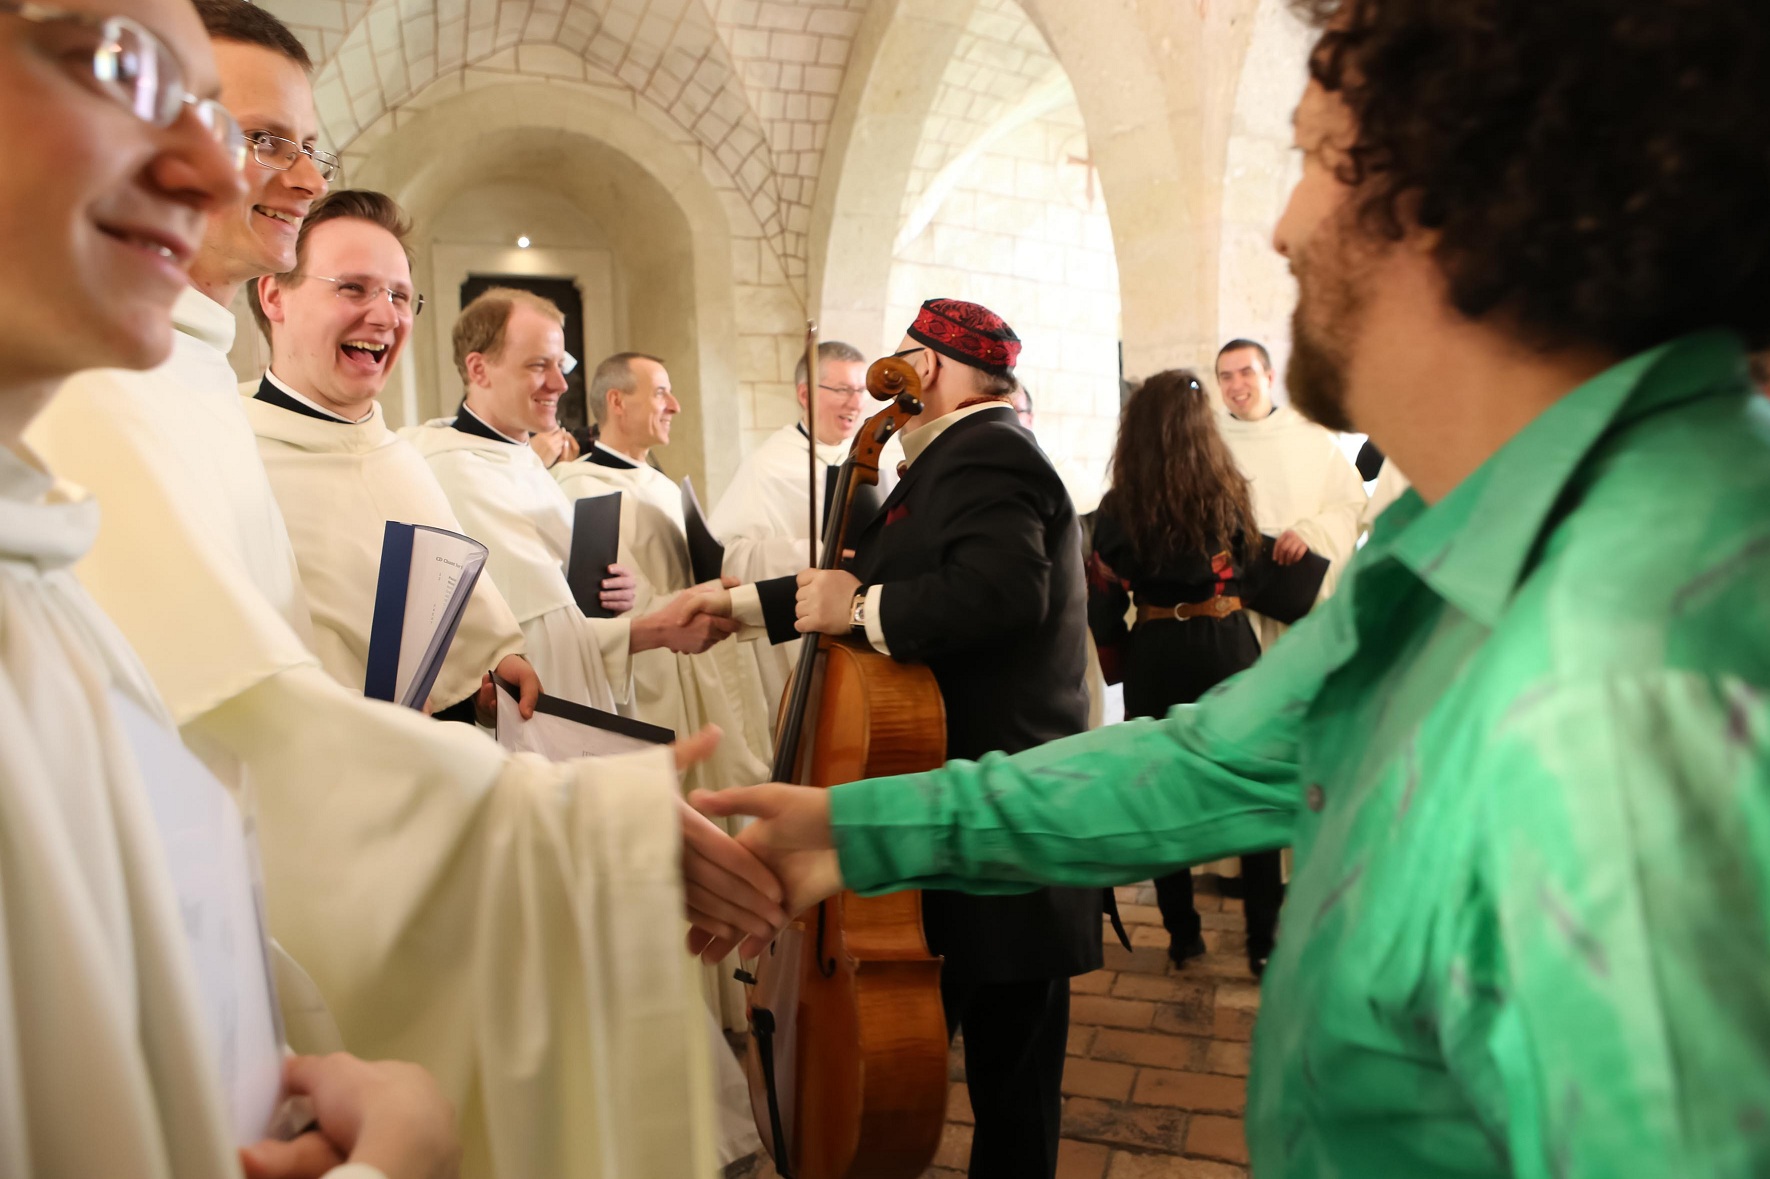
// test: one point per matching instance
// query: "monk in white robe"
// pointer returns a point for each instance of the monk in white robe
(111, 1045)
(631, 401)
(509, 923)
(340, 474)
(510, 350)
(763, 519)
(1305, 491)
(338, 483)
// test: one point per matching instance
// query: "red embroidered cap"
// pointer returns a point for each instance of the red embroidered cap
(968, 333)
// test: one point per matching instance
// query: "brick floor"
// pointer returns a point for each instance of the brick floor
(1156, 1081)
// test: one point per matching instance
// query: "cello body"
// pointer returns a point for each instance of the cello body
(848, 1064)
(869, 1035)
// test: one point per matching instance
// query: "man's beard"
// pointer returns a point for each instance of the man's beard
(1330, 304)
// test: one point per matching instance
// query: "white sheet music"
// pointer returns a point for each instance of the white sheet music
(211, 868)
(438, 561)
(556, 738)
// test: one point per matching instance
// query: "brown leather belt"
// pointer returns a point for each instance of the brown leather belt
(1210, 608)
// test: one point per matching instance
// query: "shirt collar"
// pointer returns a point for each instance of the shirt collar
(469, 422)
(314, 408)
(602, 456)
(1474, 546)
(920, 439)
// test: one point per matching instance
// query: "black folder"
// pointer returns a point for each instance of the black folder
(564, 729)
(1284, 593)
(426, 579)
(596, 542)
(706, 556)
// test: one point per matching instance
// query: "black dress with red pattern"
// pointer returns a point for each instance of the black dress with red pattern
(1167, 662)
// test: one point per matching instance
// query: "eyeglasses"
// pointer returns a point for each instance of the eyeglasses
(133, 66)
(844, 390)
(275, 152)
(358, 293)
(907, 352)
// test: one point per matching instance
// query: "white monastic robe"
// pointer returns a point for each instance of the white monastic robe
(106, 1064)
(504, 498)
(764, 523)
(683, 692)
(513, 925)
(338, 484)
(1390, 485)
(1302, 482)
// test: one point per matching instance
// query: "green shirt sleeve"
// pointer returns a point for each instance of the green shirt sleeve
(1607, 997)
(1112, 806)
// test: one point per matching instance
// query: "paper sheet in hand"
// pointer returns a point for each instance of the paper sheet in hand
(210, 860)
(1283, 592)
(561, 730)
(596, 542)
(706, 556)
(427, 578)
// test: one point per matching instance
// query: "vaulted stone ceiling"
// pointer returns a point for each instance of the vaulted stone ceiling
(755, 83)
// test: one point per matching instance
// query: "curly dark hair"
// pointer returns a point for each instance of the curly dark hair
(1175, 486)
(1598, 170)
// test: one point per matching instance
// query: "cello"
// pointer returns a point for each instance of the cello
(848, 1059)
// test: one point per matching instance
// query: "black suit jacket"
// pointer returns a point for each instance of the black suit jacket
(981, 558)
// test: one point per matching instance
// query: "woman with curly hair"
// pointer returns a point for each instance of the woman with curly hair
(1173, 537)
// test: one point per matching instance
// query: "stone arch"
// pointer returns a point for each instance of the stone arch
(670, 229)
(955, 172)
(1255, 289)
(1132, 68)
(1156, 84)
(900, 54)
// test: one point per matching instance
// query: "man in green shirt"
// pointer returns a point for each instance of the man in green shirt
(1523, 756)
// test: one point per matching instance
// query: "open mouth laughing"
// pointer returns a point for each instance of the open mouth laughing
(365, 355)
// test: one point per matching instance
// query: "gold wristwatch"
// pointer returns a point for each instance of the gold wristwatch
(857, 615)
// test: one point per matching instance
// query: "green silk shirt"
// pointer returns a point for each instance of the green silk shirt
(1524, 759)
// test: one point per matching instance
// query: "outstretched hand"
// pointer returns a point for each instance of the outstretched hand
(684, 624)
(710, 597)
(726, 889)
(792, 838)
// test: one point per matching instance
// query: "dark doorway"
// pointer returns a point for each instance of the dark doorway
(564, 294)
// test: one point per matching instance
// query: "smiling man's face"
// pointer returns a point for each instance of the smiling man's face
(841, 387)
(333, 338)
(268, 94)
(526, 376)
(104, 212)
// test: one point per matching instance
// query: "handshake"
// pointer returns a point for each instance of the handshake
(741, 891)
(823, 602)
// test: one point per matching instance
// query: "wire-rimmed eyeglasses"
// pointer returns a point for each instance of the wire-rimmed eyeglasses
(124, 61)
(360, 292)
(279, 154)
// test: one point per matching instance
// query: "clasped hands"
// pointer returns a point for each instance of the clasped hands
(741, 891)
(823, 602)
